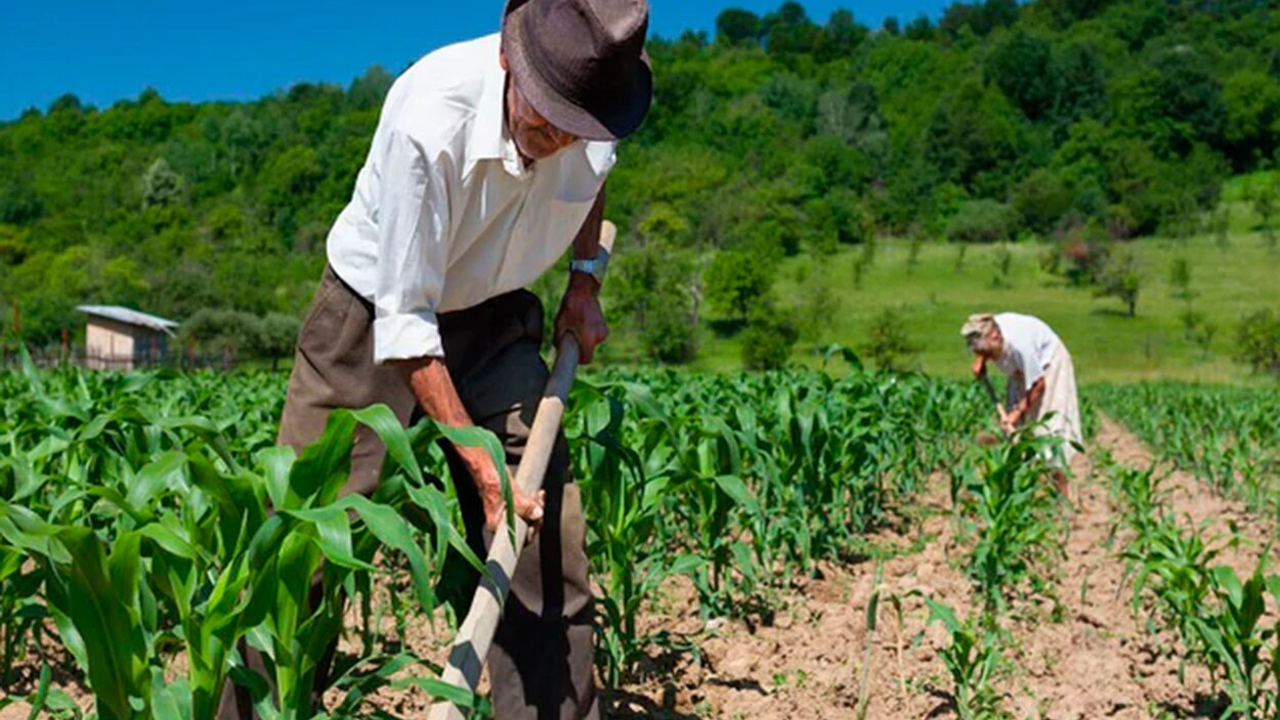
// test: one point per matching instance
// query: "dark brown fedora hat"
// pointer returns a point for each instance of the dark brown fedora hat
(581, 63)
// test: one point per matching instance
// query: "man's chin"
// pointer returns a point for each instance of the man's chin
(533, 154)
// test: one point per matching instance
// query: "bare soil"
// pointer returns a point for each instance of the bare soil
(1091, 657)
(1087, 655)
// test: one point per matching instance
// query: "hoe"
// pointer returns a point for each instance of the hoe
(471, 645)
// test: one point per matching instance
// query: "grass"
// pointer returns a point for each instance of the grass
(1107, 346)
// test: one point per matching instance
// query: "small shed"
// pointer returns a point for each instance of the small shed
(120, 338)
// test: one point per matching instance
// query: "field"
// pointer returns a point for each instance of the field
(1230, 280)
(790, 544)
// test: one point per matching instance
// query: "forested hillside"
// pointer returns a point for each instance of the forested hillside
(1079, 121)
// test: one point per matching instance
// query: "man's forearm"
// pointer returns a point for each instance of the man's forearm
(586, 244)
(1032, 397)
(433, 387)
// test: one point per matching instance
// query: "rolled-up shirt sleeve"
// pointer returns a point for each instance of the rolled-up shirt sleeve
(413, 252)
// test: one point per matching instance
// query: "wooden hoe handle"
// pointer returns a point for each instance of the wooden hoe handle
(475, 636)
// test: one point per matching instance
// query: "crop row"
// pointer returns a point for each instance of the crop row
(1223, 622)
(1227, 436)
(148, 517)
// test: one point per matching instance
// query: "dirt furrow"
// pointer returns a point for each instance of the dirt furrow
(1089, 658)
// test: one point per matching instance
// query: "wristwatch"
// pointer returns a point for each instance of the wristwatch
(594, 267)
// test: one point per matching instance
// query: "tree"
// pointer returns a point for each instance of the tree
(789, 31)
(654, 294)
(920, 29)
(1258, 341)
(973, 136)
(1253, 117)
(1119, 279)
(888, 343)
(1262, 195)
(736, 280)
(218, 329)
(1022, 67)
(161, 186)
(1176, 101)
(277, 335)
(20, 204)
(735, 26)
(1081, 83)
(1042, 199)
(768, 340)
(982, 221)
(367, 91)
(841, 35)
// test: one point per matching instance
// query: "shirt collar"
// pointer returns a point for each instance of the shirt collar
(489, 137)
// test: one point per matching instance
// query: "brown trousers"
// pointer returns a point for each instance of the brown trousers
(541, 662)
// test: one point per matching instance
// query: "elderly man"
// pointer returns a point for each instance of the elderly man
(488, 163)
(1042, 380)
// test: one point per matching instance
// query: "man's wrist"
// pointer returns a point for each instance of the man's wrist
(583, 282)
(593, 267)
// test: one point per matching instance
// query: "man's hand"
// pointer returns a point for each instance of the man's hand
(1009, 421)
(429, 379)
(581, 316)
(489, 485)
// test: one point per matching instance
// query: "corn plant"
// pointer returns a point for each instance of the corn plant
(1174, 565)
(1219, 618)
(1229, 437)
(625, 495)
(1240, 649)
(196, 551)
(1142, 501)
(158, 500)
(972, 659)
(1010, 506)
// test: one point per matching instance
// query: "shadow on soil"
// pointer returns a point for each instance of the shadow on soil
(631, 706)
(1202, 706)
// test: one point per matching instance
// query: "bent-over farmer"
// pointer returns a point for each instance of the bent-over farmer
(488, 162)
(1042, 380)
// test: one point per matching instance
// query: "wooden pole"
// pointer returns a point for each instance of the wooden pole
(475, 636)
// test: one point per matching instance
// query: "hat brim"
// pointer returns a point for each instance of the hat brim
(624, 119)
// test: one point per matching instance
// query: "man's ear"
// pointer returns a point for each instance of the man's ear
(502, 59)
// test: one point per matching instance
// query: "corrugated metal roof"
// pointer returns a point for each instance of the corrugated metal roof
(129, 316)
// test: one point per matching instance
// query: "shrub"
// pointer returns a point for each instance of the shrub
(1258, 342)
(768, 340)
(982, 221)
(888, 344)
(1042, 199)
(736, 280)
(1079, 256)
(653, 293)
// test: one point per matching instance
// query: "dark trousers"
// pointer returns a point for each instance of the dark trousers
(540, 665)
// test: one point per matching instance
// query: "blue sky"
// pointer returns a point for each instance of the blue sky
(242, 50)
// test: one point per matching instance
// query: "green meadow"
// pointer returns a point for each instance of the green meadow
(1229, 280)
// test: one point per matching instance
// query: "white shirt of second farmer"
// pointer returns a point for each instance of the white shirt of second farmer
(445, 215)
(1029, 345)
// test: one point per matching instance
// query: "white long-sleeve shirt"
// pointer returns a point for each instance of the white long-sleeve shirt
(445, 215)
(1029, 345)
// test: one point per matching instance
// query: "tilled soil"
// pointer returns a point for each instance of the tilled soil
(1087, 655)
(1091, 657)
